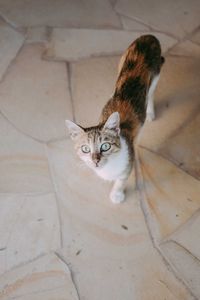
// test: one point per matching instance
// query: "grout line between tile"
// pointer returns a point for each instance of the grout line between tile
(69, 75)
(140, 187)
(169, 160)
(13, 60)
(185, 38)
(22, 264)
(56, 196)
(19, 130)
(71, 273)
(137, 21)
(9, 23)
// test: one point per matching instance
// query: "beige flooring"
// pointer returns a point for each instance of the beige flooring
(60, 236)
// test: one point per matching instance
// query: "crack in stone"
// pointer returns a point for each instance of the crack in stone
(71, 273)
(69, 75)
(56, 196)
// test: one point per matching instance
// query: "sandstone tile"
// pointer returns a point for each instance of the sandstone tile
(104, 244)
(11, 42)
(196, 37)
(188, 236)
(73, 44)
(93, 83)
(113, 2)
(36, 34)
(71, 13)
(23, 163)
(142, 277)
(186, 266)
(171, 195)
(186, 48)
(176, 101)
(34, 95)
(183, 146)
(131, 24)
(175, 17)
(45, 278)
(29, 227)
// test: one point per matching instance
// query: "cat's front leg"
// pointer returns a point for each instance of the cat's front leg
(117, 194)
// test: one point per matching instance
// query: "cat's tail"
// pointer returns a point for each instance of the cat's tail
(139, 65)
(144, 50)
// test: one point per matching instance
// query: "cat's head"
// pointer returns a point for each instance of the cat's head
(96, 145)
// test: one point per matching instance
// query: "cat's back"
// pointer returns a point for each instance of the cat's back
(138, 66)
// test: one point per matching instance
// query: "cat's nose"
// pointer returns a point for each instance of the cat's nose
(96, 158)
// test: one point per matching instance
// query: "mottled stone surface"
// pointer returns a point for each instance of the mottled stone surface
(183, 146)
(36, 34)
(73, 44)
(45, 278)
(186, 48)
(23, 163)
(171, 194)
(115, 236)
(175, 17)
(188, 235)
(35, 95)
(29, 227)
(61, 238)
(185, 264)
(176, 103)
(71, 13)
(93, 82)
(134, 25)
(195, 38)
(11, 42)
(168, 169)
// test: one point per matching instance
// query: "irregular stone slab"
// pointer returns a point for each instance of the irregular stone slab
(71, 13)
(29, 227)
(130, 24)
(196, 37)
(93, 83)
(171, 196)
(186, 265)
(183, 146)
(11, 42)
(45, 278)
(186, 48)
(34, 95)
(188, 236)
(176, 17)
(141, 277)
(176, 102)
(23, 163)
(73, 44)
(37, 34)
(106, 245)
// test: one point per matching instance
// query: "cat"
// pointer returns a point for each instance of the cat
(108, 148)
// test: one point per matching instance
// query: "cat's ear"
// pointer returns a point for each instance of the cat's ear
(113, 123)
(74, 130)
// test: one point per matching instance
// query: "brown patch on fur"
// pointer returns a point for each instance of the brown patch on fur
(137, 68)
(129, 123)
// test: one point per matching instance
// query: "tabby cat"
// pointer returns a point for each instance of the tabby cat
(108, 147)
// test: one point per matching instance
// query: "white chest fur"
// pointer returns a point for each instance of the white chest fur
(116, 166)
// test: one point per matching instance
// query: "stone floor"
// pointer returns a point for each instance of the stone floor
(60, 236)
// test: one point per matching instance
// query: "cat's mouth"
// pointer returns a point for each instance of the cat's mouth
(97, 165)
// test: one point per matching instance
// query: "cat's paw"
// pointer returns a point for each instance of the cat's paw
(117, 196)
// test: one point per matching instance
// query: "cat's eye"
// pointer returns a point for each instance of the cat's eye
(105, 147)
(85, 149)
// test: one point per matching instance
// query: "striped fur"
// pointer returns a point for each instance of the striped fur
(122, 116)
